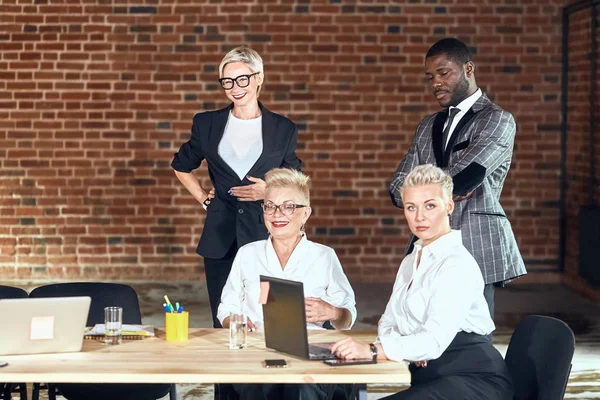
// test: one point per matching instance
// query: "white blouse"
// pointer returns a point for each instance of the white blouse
(445, 297)
(313, 264)
(241, 144)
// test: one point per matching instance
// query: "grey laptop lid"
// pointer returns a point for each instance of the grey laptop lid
(285, 317)
(44, 325)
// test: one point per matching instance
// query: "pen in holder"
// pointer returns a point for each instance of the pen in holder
(177, 326)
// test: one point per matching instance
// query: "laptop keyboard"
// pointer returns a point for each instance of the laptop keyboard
(320, 352)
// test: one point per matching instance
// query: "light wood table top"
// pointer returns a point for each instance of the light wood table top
(204, 358)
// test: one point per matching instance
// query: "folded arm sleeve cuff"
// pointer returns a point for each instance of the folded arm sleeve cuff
(468, 179)
(177, 165)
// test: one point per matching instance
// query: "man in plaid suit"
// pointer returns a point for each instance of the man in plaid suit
(472, 139)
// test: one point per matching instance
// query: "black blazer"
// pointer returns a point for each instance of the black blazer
(227, 218)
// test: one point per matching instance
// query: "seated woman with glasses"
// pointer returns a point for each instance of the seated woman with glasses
(240, 143)
(437, 317)
(288, 254)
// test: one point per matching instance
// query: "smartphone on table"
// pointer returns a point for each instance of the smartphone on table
(278, 363)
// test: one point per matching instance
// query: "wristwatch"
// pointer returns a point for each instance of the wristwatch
(373, 351)
(205, 203)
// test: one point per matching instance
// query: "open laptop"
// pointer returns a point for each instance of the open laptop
(285, 321)
(44, 325)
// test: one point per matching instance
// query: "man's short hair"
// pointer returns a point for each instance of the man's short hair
(454, 49)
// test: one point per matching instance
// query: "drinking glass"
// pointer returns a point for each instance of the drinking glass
(238, 330)
(113, 321)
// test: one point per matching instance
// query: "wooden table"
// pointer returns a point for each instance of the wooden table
(204, 358)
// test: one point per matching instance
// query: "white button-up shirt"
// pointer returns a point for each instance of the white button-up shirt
(464, 106)
(445, 297)
(313, 264)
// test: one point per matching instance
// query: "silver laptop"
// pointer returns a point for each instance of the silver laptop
(44, 325)
(284, 318)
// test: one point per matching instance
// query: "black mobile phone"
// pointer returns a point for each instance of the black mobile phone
(279, 363)
(340, 363)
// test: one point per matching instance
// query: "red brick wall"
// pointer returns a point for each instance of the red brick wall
(578, 135)
(96, 96)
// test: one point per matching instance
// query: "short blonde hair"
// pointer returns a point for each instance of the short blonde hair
(289, 179)
(429, 174)
(244, 55)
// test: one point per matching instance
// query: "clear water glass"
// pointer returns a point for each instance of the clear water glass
(113, 321)
(238, 331)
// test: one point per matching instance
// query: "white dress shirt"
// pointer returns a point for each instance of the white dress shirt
(445, 297)
(241, 144)
(313, 264)
(464, 106)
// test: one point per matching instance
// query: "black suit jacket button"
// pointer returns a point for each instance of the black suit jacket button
(240, 211)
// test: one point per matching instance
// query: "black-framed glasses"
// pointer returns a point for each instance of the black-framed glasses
(287, 207)
(242, 81)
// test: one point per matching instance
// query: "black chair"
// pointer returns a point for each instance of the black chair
(10, 292)
(7, 389)
(102, 295)
(539, 358)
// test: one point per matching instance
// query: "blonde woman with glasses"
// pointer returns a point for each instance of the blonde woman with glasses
(288, 254)
(240, 142)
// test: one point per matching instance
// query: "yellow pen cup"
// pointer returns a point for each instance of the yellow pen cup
(177, 326)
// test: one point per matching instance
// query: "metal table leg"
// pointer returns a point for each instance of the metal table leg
(362, 391)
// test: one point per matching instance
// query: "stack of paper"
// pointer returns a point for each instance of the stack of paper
(126, 330)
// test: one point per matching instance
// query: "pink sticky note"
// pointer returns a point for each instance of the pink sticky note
(264, 292)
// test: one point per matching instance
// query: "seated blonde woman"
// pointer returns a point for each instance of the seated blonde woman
(437, 315)
(288, 254)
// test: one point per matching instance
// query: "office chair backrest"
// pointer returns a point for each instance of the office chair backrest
(10, 292)
(102, 294)
(539, 358)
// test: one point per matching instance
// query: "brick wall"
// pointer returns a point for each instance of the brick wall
(578, 136)
(96, 96)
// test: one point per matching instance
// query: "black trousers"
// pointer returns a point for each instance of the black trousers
(470, 369)
(217, 271)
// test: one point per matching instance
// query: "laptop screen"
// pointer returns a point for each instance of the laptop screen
(44, 325)
(285, 317)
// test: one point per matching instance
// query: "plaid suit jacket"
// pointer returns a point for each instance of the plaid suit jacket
(477, 157)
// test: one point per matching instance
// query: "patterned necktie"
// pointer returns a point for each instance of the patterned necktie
(451, 115)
